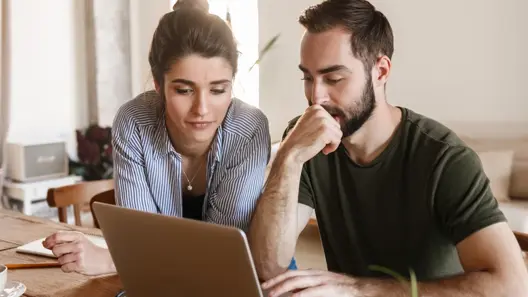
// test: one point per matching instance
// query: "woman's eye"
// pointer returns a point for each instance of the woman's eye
(183, 91)
(218, 91)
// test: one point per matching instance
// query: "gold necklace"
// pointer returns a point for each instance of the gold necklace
(189, 186)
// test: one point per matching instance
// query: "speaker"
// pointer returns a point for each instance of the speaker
(27, 162)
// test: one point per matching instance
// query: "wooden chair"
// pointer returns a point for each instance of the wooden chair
(78, 195)
(104, 197)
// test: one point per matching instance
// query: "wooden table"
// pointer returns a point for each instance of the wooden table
(17, 229)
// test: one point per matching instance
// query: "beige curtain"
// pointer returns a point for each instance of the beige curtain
(4, 91)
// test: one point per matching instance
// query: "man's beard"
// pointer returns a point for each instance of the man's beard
(354, 118)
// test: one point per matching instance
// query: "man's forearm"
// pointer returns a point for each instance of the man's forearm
(475, 284)
(273, 231)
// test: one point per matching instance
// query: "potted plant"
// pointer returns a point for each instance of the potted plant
(94, 150)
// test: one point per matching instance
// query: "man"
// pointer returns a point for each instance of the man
(390, 187)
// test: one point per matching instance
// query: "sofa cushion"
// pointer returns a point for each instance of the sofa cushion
(497, 165)
(519, 178)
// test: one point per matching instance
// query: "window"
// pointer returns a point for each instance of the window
(244, 23)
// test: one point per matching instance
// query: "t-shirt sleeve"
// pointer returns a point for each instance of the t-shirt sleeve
(462, 197)
(305, 188)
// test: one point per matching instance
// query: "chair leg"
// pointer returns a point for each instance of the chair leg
(77, 213)
(63, 215)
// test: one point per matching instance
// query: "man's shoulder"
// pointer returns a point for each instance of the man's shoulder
(145, 109)
(245, 120)
(428, 129)
(426, 136)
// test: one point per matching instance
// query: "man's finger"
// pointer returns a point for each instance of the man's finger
(288, 274)
(334, 141)
(317, 291)
(298, 282)
(330, 148)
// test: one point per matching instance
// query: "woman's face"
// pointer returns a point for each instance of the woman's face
(198, 94)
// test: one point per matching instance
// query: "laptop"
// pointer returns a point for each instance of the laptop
(158, 255)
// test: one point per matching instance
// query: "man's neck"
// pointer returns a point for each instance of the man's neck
(373, 137)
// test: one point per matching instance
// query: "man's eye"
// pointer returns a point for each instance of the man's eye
(333, 81)
(306, 78)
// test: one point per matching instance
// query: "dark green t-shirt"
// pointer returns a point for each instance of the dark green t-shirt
(407, 209)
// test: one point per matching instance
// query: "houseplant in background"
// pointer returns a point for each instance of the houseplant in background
(94, 151)
(269, 45)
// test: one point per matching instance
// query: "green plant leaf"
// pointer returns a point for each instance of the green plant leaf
(265, 50)
(399, 277)
(414, 284)
(388, 271)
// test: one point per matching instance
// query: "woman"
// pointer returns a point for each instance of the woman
(186, 149)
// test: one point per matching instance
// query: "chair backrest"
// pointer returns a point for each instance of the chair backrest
(107, 197)
(78, 195)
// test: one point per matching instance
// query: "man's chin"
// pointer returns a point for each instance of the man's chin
(349, 129)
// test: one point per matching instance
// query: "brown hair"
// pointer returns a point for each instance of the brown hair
(371, 32)
(187, 30)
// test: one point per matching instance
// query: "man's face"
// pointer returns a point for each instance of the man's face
(337, 80)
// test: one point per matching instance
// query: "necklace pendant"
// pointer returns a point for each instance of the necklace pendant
(189, 188)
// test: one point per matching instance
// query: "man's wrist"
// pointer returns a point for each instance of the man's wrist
(288, 159)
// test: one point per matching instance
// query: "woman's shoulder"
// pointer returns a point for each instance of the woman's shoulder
(245, 119)
(145, 109)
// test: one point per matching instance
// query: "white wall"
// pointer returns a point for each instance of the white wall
(455, 61)
(47, 78)
(144, 18)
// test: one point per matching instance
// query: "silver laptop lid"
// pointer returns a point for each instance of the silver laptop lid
(157, 255)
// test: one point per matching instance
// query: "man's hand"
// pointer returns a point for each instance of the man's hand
(315, 131)
(311, 283)
(76, 253)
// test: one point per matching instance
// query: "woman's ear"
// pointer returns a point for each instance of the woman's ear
(157, 87)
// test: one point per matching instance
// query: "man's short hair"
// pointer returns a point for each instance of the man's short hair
(371, 32)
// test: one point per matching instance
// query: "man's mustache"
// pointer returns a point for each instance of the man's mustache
(335, 111)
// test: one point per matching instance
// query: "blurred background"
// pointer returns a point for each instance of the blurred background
(68, 65)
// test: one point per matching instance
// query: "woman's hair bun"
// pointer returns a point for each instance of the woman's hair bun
(202, 5)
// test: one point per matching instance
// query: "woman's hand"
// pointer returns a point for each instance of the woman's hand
(76, 253)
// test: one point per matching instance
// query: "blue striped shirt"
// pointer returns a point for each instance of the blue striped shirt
(147, 169)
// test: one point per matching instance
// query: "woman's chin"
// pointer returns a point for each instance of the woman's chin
(202, 136)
